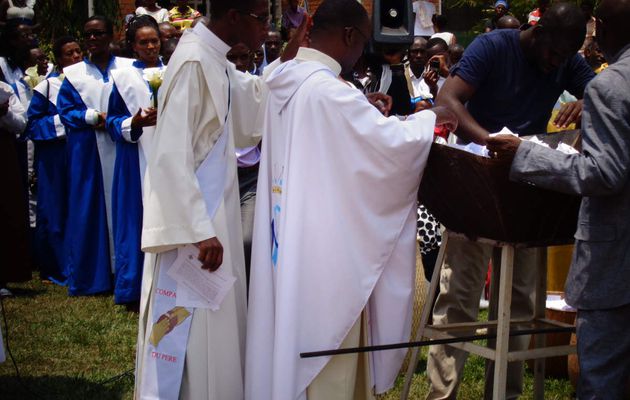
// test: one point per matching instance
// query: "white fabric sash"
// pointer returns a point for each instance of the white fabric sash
(164, 361)
(136, 94)
(49, 88)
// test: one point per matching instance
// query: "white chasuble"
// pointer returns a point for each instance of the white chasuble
(196, 103)
(334, 231)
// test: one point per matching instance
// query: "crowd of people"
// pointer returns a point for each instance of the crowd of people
(291, 158)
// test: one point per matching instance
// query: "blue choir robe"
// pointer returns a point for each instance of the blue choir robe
(49, 136)
(90, 157)
(129, 94)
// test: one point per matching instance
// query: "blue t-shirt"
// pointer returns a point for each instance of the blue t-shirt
(509, 90)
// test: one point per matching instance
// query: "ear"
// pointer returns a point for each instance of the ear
(347, 36)
(233, 16)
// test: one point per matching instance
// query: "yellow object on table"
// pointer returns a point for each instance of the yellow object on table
(558, 263)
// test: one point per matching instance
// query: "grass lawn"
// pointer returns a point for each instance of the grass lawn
(84, 348)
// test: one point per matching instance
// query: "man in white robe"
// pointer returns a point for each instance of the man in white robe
(334, 230)
(204, 103)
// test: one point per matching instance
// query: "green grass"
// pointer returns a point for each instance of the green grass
(77, 348)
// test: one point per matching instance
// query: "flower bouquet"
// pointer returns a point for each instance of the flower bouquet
(154, 77)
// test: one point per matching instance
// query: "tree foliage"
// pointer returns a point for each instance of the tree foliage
(66, 17)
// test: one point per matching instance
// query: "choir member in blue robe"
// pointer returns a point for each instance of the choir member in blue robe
(131, 119)
(81, 103)
(49, 135)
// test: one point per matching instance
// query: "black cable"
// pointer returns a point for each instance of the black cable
(405, 345)
(40, 396)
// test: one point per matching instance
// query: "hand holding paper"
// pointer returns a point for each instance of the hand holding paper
(195, 286)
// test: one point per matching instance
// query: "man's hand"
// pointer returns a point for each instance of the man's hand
(444, 71)
(100, 124)
(4, 108)
(210, 254)
(300, 38)
(381, 101)
(503, 146)
(144, 118)
(569, 113)
(445, 118)
(431, 79)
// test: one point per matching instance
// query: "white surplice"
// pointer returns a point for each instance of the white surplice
(334, 232)
(202, 94)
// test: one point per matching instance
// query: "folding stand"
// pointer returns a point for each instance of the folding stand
(501, 355)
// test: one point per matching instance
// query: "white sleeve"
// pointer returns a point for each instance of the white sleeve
(248, 92)
(15, 119)
(175, 212)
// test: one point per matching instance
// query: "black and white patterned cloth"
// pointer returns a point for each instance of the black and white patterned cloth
(428, 233)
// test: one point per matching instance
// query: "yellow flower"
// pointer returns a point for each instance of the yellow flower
(154, 77)
(32, 78)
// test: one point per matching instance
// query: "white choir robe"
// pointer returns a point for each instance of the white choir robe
(334, 230)
(194, 109)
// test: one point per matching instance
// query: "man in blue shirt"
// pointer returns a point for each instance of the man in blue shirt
(506, 78)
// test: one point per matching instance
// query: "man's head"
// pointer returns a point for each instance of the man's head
(558, 36)
(455, 53)
(592, 54)
(501, 8)
(436, 46)
(38, 58)
(612, 30)
(341, 29)
(418, 54)
(259, 57)
(241, 56)
(66, 51)
(293, 4)
(240, 21)
(167, 31)
(168, 49)
(508, 22)
(273, 45)
(98, 32)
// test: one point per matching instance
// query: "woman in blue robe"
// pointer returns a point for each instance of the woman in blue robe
(81, 103)
(49, 135)
(131, 118)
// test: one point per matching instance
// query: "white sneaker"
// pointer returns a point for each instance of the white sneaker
(4, 292)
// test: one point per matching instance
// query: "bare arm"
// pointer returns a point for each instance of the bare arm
(454, 95)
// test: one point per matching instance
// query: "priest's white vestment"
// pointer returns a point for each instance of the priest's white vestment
(202, 97)
(334, 231)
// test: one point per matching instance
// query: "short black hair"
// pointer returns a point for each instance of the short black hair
(218, 8)
(440, 21)
(436, 41)
(59, 43)
(109, 27)
(564, 20)
(338, 14)
(139, 22)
